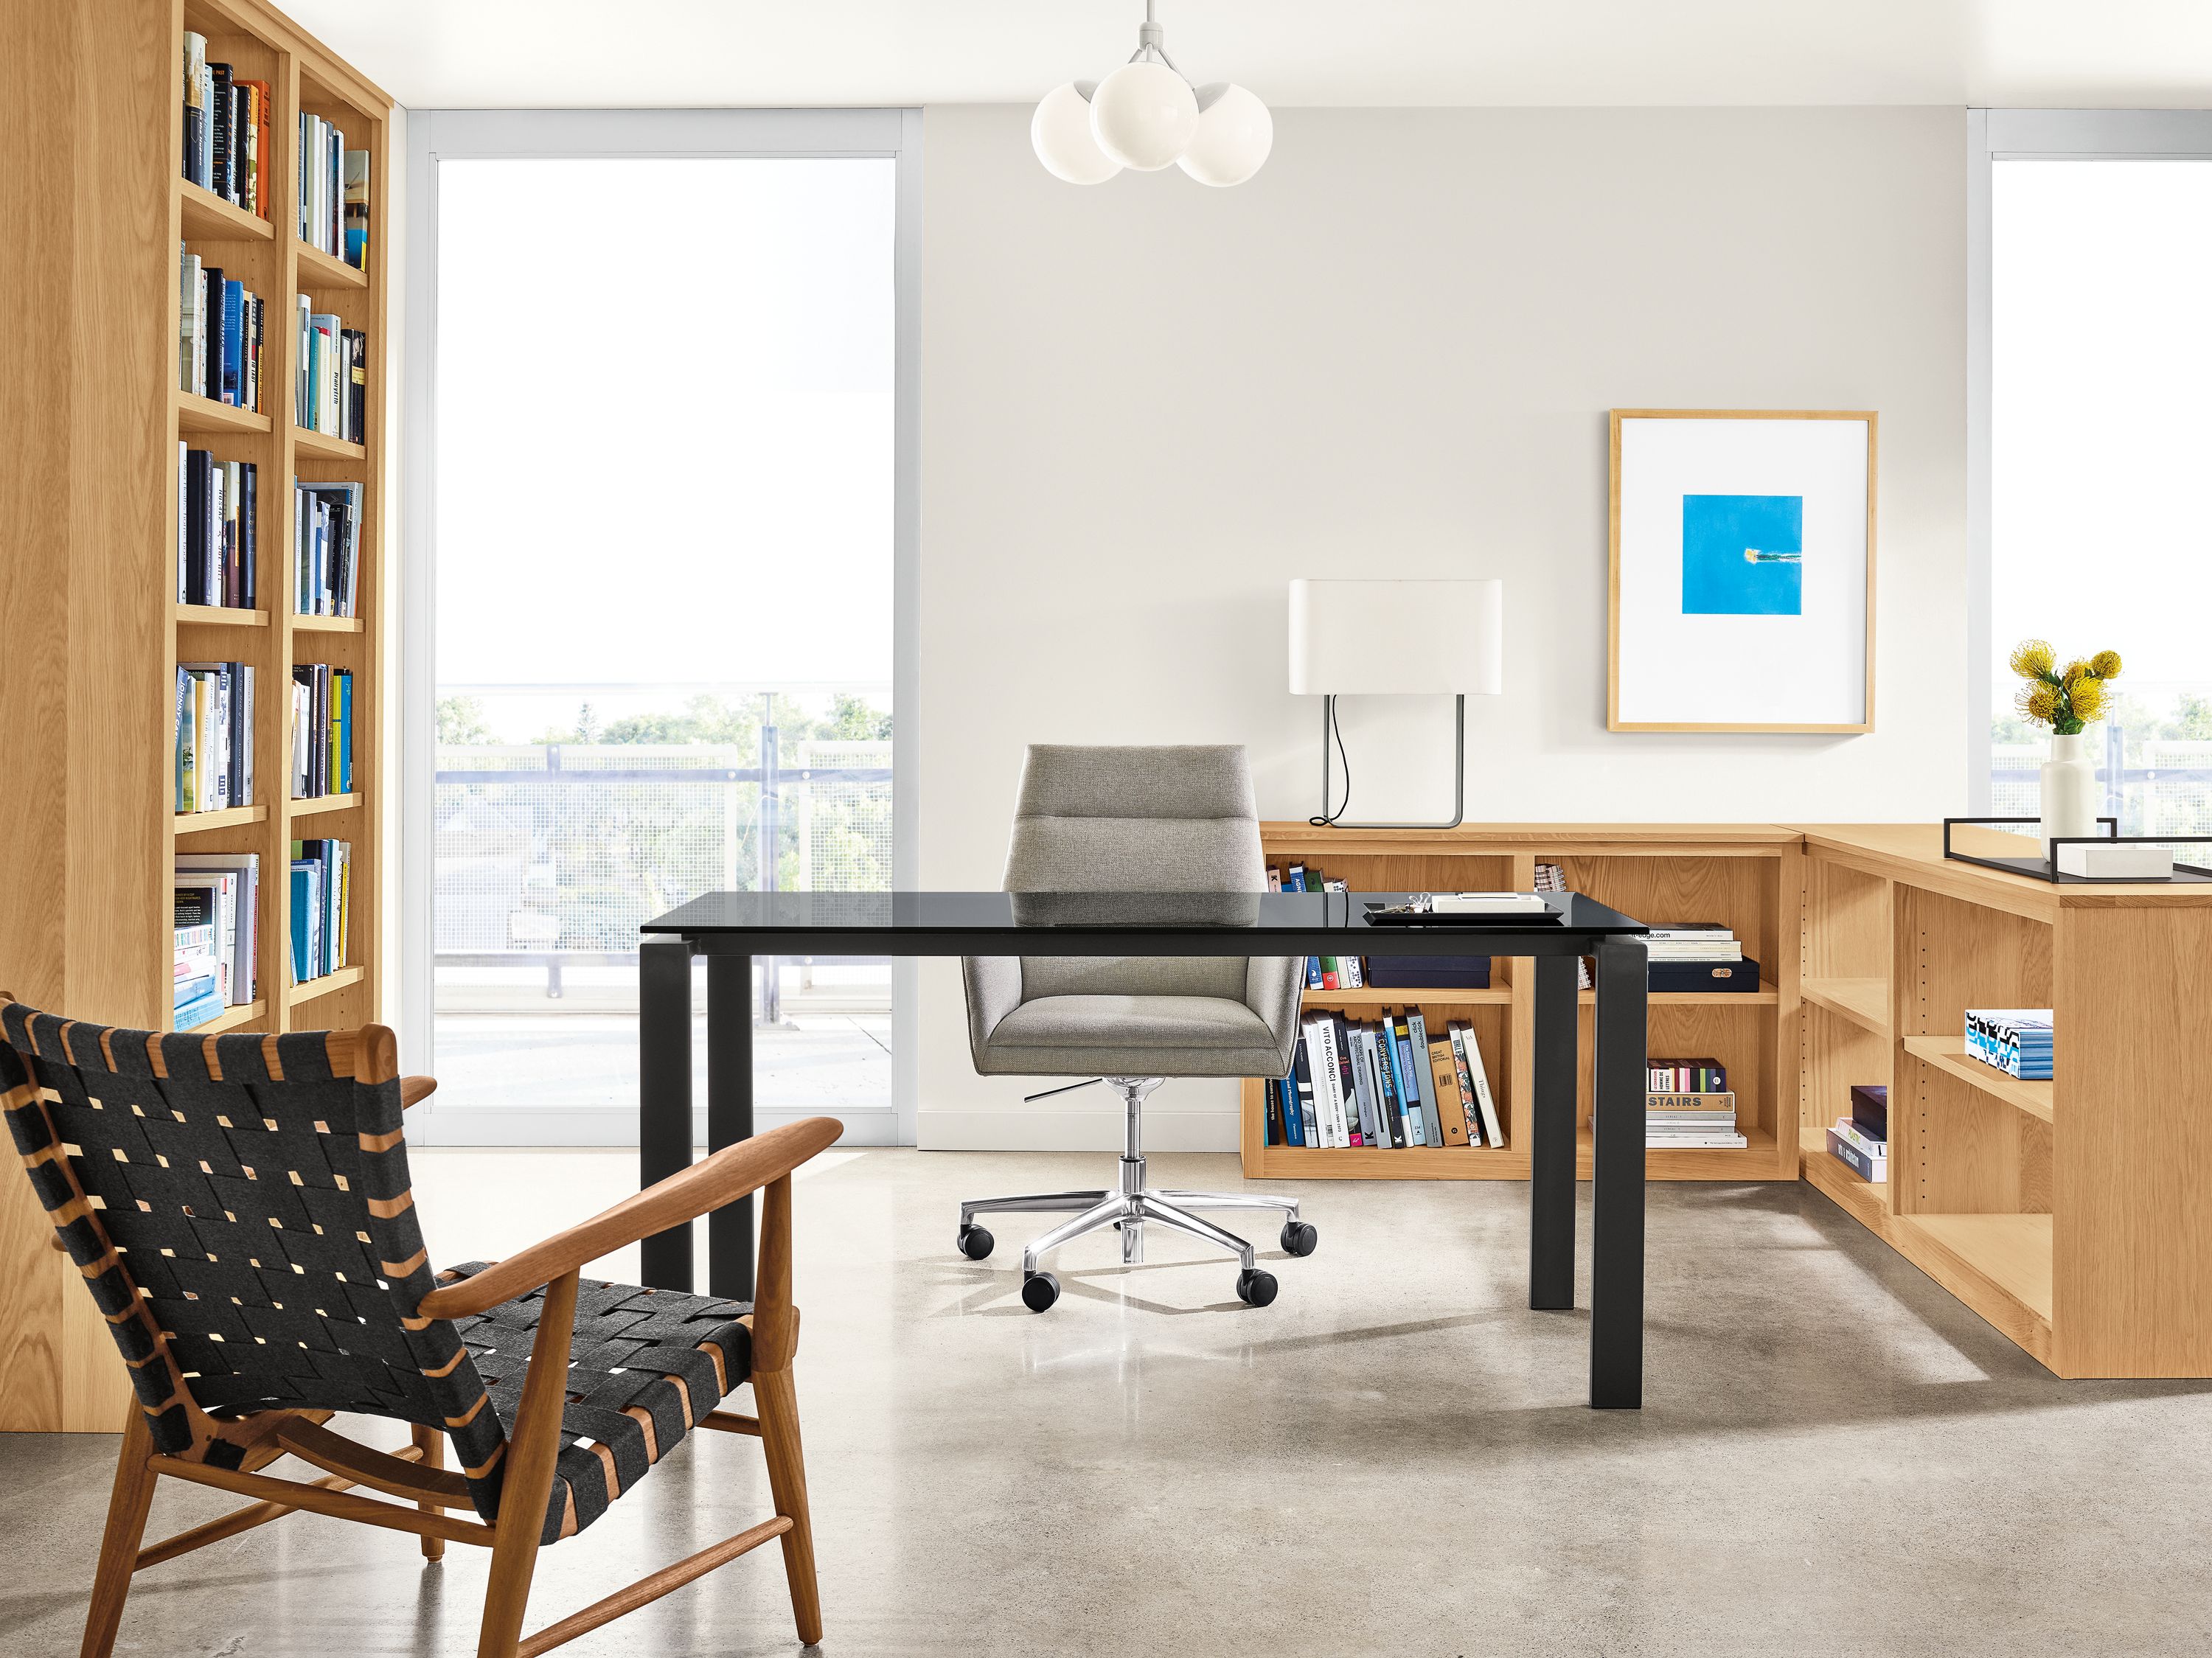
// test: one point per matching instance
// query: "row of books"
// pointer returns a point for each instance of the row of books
(321, 907)
(213, 730)
(1702, 956)
(322, 730)
(1688, 1106)
(1384, 1082)
(221, 327)
(1377, 972)
(325, 547)
(227, 127)
(218, 528)
(1861, 1141)
(217, 898)
(333, 192)
(330, 375)
(2016, 1041)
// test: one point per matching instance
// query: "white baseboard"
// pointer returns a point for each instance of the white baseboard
(1031, 1129)
(587, 1125)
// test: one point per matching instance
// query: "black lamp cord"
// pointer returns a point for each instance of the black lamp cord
(1327, 819)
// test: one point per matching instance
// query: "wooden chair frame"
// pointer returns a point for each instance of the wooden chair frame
(416, 1474)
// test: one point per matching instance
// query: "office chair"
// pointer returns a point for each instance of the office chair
(241, 1211)
(1133, 821)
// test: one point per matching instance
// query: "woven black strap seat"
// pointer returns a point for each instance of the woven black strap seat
(242, 1210)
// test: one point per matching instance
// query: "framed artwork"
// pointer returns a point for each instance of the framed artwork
(1742, 583)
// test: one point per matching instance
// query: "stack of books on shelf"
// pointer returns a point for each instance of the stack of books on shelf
(214, 759)
(322, 730)
(1861, 1141)
(1384, 1083)
(195, 988)
(322, 906)
(327, 546)
(226, 129)
(218, 528)
(330, 390)
(1377, 972)
(219, 330)
(1688, 1106)
(1698, 956)
(218, 908)
(2014, 1039)
(333, 192)
(1550, 877)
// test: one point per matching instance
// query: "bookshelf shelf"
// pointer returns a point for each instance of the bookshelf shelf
(2009, 1255)
(1864, 1002)
(1865, 1201)
(233, 1018)
(324, 803)
(344, 978)
(207, 217)
(321, 444)
(1948, 1053)
(1766, 996)
(1345, 1001)
(327, 624)
(321, 269)
(1692, 1162)
(219, 616)
(203, 822)
(204, 415)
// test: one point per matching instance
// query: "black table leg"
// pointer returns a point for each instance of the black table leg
(1551, 1140)
(664, 1096)
(730, 1116)
(1616, 1140)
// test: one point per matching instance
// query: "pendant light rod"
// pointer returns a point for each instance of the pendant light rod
(1150, 39)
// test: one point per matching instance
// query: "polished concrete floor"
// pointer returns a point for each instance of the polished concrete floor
(1394, 1458)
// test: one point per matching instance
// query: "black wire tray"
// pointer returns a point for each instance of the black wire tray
(2045, 868)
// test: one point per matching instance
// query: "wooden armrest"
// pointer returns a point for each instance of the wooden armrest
(413, 1090)
(729, 1174)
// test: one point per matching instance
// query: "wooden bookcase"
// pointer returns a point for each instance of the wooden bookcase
(1747, 876)
(2071, 1214)
(93, 419)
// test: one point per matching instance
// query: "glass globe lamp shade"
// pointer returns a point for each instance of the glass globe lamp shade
(1143, 115)
(1235, 133)
(1061, 133)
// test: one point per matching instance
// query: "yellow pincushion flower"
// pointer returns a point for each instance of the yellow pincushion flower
(2031, 659)
(2074, 673)
(2038, 702)
(2088, 698)
(2105, 664)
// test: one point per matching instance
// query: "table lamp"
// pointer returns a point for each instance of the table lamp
(1391, 638)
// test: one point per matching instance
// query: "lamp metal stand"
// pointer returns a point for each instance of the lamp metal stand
(1459, 771)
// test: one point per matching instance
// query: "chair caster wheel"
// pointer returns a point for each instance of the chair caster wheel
(1255, 1288)
(1039, 1292)
(1299, 1238)
(976, 1243)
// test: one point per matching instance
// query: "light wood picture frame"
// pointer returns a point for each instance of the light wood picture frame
(1740, 589)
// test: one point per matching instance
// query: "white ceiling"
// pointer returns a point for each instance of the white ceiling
(439, 54)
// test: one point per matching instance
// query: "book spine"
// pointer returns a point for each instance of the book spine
(1865, 1167)
(1451, 1103)
(1409, 1096)
(1416, 1033)
(1461, 1038)
(1301, 1096)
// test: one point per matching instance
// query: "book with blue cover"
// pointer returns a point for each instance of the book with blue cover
(2017, 1041)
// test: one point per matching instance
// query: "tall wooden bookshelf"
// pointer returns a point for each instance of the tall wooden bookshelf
(94, 417)
(1746, 876)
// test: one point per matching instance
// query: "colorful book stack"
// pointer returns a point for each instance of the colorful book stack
(218, 530)
(1688, 1106)
(219, 330)
(222, 891)
(326, 546)
(1861, 1141)
(1387, 1083)
(214, 758)
(2014, 1039)
(226, 129)
(322, 730)
(330, 380)
(1377, 972)
(321, 907)
(195, 988)
(333, 192)
(1698, 956)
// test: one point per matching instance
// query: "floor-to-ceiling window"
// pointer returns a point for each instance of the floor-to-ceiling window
(660, 465)
(2094, 342)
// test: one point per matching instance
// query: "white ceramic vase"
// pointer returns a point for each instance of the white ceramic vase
(2071, 797)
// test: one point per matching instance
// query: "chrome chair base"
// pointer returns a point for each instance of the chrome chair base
(1128, 1209)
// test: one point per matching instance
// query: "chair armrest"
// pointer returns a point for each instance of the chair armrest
(993, 988)
(1273, 988)
(725, 1177)
(413, 1090)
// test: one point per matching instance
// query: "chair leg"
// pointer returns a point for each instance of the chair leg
(133, 1495)
(777, 1401)
(532, 1450)
(432, 1444)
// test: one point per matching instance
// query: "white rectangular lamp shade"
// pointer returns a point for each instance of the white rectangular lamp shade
(1397, 638)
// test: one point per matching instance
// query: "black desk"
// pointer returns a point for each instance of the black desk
(731, 928)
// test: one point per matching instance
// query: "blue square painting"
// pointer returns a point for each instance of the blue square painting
(1743, 554)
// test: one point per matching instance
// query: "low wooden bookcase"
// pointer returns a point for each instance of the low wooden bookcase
(1744, 876)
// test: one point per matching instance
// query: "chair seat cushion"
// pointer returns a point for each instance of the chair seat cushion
(644, 1366)
(1139, 1036)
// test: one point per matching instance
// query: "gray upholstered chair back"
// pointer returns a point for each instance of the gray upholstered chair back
(1165, 819)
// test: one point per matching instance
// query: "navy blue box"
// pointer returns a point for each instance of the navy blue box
(1427, 972)
(1870, 1110)
(1719, 977)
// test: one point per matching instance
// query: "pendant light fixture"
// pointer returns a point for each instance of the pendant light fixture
(1147, 116)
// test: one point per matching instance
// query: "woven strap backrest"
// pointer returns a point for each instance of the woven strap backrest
(241, 1211)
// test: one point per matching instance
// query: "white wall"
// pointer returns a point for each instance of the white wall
(1147, 405)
